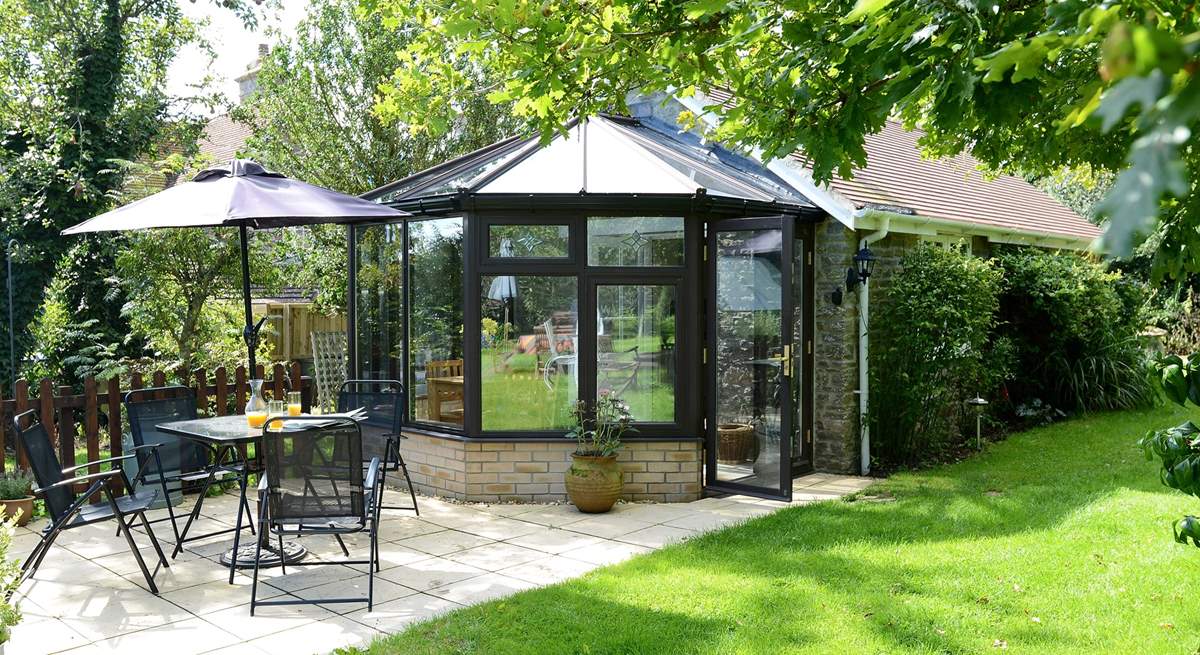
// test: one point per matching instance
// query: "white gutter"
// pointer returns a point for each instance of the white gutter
(864, 322)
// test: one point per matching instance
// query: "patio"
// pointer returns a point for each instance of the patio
(88, 596)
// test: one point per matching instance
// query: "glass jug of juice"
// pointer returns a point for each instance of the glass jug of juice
(256, 406)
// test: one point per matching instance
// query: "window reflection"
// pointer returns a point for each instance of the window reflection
(635, 348)
(378, 310)
(529, 339)
(436, 333)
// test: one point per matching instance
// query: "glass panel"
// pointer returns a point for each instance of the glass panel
(528, 241)
(800, 453)
(529, 333)
(635, 348)
(748, 346)
(378, 310)
(436, 334)
(635, 241)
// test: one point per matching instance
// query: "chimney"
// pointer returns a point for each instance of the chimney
(248, 81)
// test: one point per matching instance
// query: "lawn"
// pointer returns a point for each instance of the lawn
(1054, 541)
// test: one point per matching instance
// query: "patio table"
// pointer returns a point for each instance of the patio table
(226, 433)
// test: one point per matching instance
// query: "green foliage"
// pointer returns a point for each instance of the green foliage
(172, 277)
(10, 576)
(930, 352)
(311, 118)
(1030, 88)
(15, 486)
(1177, 448)
(1074, 327)
(82, 84)
(599, 426)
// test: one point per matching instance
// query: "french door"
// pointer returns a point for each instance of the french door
(758, 355)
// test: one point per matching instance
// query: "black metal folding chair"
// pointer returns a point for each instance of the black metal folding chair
(56, 485)
(384, 402)
(179, 460)
(313, 484)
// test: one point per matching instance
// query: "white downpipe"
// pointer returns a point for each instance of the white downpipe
(864, 316)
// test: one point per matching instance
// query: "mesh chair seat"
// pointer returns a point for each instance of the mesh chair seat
(138, 501)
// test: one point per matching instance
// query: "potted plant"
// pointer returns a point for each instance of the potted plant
(594, 480)
(16, 498)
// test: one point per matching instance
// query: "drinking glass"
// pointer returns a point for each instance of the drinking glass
(294, 403)
(276, 408)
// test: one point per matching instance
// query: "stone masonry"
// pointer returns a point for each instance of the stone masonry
(532, 472)
(835, 343)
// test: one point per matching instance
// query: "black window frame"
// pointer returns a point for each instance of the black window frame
(477, 263)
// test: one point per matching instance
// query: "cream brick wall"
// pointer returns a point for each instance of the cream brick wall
(532, 472)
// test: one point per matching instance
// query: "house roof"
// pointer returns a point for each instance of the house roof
(223, 138)
(953, 191)
(611, 155)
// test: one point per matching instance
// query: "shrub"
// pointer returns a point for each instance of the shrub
(931, 350)
(14, 486)
(1074, 327)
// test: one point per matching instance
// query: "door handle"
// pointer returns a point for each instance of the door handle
(785, 363)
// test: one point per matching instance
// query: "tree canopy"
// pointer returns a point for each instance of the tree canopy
(1030, 86)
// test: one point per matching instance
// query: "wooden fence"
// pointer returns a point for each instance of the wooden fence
(75, 419)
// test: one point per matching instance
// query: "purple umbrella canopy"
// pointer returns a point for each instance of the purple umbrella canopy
(242, 192)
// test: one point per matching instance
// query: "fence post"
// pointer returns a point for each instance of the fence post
(239, 404)
(201, 391)
(160, 380)
(91, 427)
(278, 390)
(115, 447)
(21, 404)
(46, 403)
(222, 391)
(66, 428)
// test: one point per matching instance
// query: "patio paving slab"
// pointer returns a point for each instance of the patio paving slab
(454, 554)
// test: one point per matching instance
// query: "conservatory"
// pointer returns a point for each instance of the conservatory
(624, 257)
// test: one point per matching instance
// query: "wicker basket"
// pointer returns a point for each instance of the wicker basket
(734, 442)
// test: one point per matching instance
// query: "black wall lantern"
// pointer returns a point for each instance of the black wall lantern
(864, 265)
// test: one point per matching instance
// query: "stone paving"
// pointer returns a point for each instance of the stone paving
(89, 597)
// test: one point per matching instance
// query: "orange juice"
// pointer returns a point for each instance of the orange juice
(294, 409)
(256, 419)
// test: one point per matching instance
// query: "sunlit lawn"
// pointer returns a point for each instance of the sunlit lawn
(1054, 541)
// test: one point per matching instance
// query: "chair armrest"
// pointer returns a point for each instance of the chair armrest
(71, 469)
(372, 477)
(77, 480)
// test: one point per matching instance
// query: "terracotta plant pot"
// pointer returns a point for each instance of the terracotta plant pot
(594, 483)
(734, 442)
(25, 505)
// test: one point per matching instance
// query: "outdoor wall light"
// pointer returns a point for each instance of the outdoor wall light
(864, 265)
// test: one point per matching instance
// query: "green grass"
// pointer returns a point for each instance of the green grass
(1054, 541)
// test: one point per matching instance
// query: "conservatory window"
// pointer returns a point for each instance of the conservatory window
(635, 241)
(529, 368)
(435, 273)
(526, 241)
(378, 308)
(635, 348)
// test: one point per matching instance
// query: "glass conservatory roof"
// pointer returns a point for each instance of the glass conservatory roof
(603, 155)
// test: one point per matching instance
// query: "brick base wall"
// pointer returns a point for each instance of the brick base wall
(532, 472)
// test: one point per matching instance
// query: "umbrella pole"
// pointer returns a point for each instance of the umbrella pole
(250, 334)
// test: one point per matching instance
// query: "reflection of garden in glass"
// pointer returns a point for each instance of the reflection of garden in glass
(378, 312)
(528, 369)
(435, 275)
(528, 241)
(635, 348)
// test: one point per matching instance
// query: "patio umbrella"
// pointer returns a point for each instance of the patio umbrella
(504, 287)
(241, 194)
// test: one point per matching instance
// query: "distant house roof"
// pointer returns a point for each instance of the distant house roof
(223, 138)
(952, 191)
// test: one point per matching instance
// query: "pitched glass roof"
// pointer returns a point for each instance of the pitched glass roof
(604, 155)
